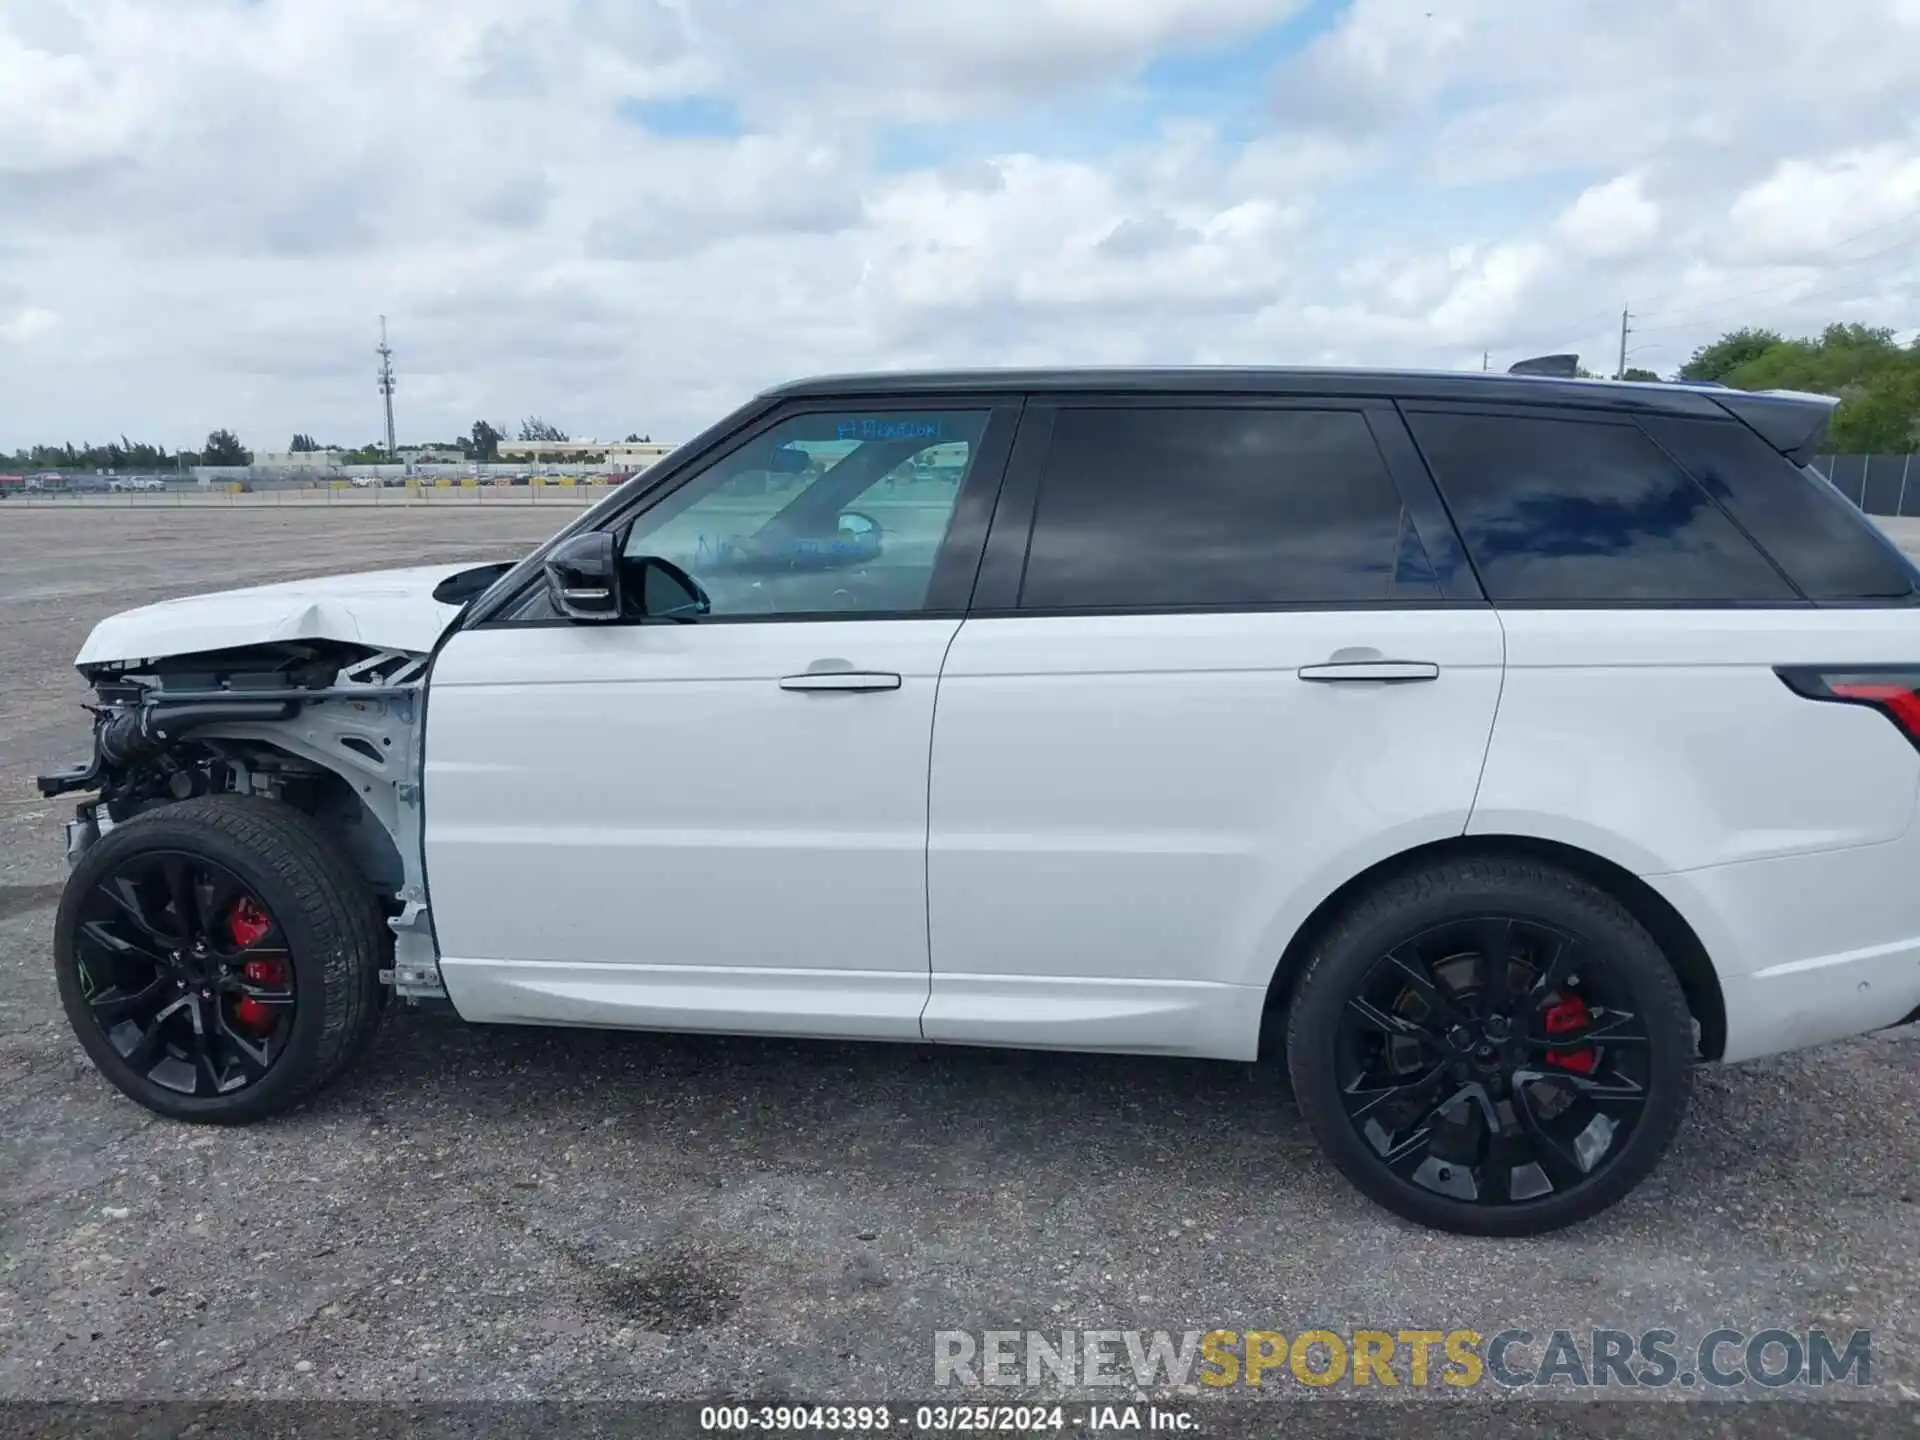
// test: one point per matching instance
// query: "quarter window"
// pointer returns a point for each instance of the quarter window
(821, 514)
(1558, 509)
(1218, 507)
(1812, 531)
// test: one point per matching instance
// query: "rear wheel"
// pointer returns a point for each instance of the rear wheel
(1492, 1047)
(218, 959)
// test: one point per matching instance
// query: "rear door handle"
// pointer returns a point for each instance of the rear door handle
(1381, 672)
(848, 681)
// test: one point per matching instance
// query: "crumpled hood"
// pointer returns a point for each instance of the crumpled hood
(387, 609)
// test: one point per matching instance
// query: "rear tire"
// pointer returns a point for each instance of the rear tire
(1490, 1098)
(325, 923)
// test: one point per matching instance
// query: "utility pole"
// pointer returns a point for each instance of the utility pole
(1625, 330)
(1486, 357)
(386, 384)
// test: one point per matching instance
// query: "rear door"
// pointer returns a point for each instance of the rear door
(1223, 656)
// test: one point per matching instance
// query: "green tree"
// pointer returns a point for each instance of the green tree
(1876, 381)
(1728, 353)
(1883, 418)
(121, 454)
(534, 428)
(224, 448)
(1634, 372)
(303, 444)
(484, 443)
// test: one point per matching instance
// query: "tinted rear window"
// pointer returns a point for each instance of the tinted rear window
(1190, 507)
(1814, 533)
(1563, 509)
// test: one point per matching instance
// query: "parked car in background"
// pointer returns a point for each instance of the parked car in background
(136, 484)
(1493, 748)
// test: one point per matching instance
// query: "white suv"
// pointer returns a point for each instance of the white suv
(1495, 747)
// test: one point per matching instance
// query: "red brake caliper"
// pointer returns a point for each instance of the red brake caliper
(1570, 1017)
(248, 925)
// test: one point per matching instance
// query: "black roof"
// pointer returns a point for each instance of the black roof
(1790, 421)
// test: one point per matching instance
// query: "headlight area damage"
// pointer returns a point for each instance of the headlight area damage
(330, 728)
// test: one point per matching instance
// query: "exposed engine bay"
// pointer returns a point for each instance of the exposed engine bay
(329, 727)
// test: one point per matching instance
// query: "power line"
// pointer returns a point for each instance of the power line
(1700, 314)
(1841, 264)
(1540, 339)
(1704, 320)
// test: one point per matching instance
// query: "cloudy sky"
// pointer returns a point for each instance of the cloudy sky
(630, 214)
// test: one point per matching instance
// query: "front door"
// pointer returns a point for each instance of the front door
(718, 822)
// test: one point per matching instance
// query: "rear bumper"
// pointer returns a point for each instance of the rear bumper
(1808, 948)
(1833, 997)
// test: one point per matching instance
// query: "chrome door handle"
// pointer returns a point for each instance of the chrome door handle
(1386, 672)
(849, 681)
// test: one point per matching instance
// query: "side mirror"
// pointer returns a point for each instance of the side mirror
(583, 577)
(788, 460)
(666, 591)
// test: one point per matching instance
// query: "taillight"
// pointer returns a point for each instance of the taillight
(1893, 690)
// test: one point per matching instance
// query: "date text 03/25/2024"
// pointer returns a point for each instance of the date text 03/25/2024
(944, 1419)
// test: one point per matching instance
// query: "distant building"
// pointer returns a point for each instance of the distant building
(298, 459)
(429, 455)
(550, 449)
(636, 454)
(620, 454)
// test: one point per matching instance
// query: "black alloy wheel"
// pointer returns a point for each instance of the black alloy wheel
(186, 973)
(219, 958)
(1504, 1052)
(1488, 1060)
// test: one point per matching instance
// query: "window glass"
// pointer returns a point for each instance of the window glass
(1572, 510)
(1222, 506)
(823, 513)
(1812, 531)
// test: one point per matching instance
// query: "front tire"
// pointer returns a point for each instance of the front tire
(218, 959)
(1491, 1047)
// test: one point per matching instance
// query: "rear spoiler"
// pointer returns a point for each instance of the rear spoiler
(1791, 421)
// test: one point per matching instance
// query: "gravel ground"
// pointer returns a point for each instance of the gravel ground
(494, 1213)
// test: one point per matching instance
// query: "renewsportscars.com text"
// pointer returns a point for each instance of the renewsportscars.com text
(1402, 1358)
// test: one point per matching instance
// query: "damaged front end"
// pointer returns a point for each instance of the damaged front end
(329, 727)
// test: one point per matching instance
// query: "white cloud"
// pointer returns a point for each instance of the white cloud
(1806, 208)
(26, 325)
(1610, 219)
(941, 59)
(217, 198)
(1487, 292)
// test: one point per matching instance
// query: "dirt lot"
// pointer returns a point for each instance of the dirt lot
(499, 1213)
